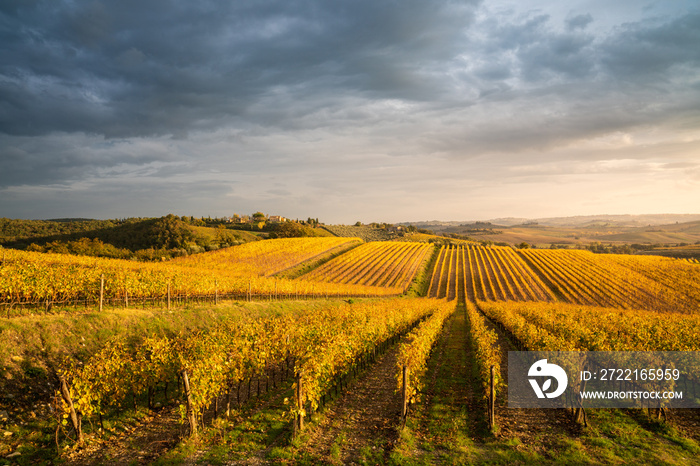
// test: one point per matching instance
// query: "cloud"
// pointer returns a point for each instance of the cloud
(658, 53)
(308, 102)
(579, 21)
(60, 159)
(132, 69)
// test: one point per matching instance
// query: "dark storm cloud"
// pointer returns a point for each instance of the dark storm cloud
(272, 98)
(579, 21)
(118, 199)
(59, 158)
(133, 68)
(540, 49)
(129, 68)
(641, 52)
(544, 85)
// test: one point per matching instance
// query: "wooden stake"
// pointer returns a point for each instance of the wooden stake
(492, 399)
(102, 290)
(191, 416)
(404, 394)
(299, 418)
(228, 399)
(65, 393)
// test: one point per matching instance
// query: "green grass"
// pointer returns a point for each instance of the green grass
(446, 430)
(421, 282)
(260, 428)
(32, 347)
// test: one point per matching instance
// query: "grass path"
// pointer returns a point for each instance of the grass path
(449, 426)
(446, 425)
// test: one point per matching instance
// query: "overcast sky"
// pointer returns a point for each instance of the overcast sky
(349, 110)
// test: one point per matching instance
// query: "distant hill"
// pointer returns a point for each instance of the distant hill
(687, 232)
(609, 220)
(149, 238)
(574, 221)
(69, 220)
(366, 232)
(17, 231)
(645, 230)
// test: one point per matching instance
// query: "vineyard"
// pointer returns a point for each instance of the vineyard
(486, 273)
(385, 264)
(298, 361)
(498, 273)
(47, 280)
(266, 258)
(571, 327)
(210, 364)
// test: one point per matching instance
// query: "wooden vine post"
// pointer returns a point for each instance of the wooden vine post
(168, 295)
(404, 395)
(299, 417)
(75, 420)
(102, 290)
(580, 413)
(191, 416)
(660, 410)
(492, 399)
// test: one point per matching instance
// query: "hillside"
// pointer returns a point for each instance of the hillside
(143, 325)
(366, 232)
(688, 232)
(579, 231)
(629, 221)
(139, 238)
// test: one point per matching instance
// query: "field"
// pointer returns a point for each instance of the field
(385, 264)
(104, 361)
(657, 232)
(46, 280)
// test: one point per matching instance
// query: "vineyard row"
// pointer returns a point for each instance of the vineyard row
(324, 344)
(496, 273)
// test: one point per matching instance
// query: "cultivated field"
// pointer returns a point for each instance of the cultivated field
(385, 264)
(357, 373)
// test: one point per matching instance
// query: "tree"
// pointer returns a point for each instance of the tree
(223, 236)
(170, 233)
(288, 230)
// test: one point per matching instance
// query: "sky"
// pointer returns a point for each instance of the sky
(345, 111)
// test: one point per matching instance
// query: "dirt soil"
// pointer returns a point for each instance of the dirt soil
(362, 423)
(142, 444)
(532, 426)
(161, 430)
